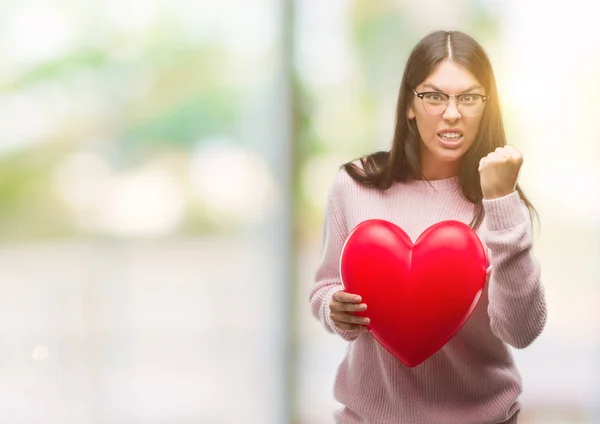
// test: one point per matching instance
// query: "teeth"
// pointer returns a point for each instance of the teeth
(450, 135)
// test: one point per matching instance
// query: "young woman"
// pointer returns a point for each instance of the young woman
(449, 160)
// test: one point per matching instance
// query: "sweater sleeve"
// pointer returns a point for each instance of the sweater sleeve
(327, 276)
(517, 304)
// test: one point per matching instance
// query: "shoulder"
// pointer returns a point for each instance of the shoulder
(347, 190)
(343, 183)
(342, 189)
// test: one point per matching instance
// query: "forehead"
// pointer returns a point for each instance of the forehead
(451, 77)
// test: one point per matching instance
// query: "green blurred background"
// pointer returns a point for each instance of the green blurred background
(164, 168)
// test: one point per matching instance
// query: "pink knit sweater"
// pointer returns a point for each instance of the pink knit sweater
(472, 379)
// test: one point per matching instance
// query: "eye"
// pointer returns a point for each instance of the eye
(435, 97)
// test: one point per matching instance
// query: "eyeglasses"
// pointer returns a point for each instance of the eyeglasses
(435, 103)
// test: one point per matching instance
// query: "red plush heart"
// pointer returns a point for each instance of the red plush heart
(418, 295)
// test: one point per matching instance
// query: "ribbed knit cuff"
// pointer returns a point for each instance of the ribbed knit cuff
(505, 212)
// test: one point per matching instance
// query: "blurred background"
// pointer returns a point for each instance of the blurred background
(164, 167)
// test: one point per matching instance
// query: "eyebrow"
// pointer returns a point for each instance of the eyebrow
(473, 87)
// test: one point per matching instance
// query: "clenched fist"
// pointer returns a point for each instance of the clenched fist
(499, 171)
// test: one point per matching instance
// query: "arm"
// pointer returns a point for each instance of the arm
(517, 304)
(327, 277)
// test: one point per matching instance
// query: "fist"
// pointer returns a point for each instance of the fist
(499, 172)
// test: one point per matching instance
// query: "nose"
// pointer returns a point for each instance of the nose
(451, 113)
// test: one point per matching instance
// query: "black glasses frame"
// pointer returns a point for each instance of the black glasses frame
(450, 96)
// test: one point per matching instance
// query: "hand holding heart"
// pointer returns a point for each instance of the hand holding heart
(343, 306)
(499, 171)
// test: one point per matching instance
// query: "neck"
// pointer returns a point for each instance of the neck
(439, 170)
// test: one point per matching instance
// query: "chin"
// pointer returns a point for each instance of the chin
(443, 155)
(446, 155)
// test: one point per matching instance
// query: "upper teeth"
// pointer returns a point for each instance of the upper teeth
(450, 135)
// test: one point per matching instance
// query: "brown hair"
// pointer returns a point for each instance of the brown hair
(381, 169)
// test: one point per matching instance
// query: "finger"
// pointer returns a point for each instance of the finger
(347, 307)
(354, 319)
(353, 307)
(501, 152)
(349, 319)
(512, 150)
(514, 153)
(496, 157)
(344, 297)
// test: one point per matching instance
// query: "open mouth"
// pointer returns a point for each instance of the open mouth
(450, 136)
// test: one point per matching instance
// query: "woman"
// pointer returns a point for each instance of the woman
(449, 161)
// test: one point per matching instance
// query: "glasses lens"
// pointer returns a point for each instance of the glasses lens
(435, 103)
(469, 104)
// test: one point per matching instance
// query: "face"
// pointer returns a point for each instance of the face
(447, 136)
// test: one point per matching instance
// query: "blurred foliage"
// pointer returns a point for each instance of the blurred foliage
(165, 94)
(27, 207)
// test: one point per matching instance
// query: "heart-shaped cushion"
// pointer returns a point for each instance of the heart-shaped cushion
(418, 295)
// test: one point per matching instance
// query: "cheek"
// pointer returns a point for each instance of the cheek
(427, 127)
(473, 125)
(472, 130)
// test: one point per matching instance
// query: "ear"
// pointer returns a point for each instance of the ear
(410, 113)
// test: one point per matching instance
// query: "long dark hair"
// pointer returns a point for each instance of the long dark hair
(381, 169)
